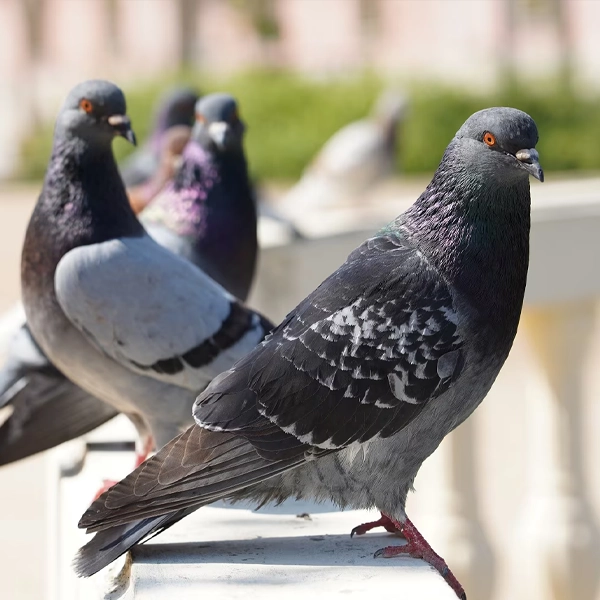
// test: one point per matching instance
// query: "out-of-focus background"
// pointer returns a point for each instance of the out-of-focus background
(512, 499)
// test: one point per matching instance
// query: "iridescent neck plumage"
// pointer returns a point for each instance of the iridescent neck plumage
(475, 232)
(182, 205)
(82, 185)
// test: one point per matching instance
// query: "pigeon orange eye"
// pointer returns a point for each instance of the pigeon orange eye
(200, 118)
(489, 138)
(85, 105)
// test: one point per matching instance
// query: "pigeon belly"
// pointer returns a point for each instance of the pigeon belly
(347, 477)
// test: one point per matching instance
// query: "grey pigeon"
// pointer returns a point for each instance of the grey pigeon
(359, 384)
(209, 203)
(353, 161)
(124, 318)
(175, 108)
(207, 213)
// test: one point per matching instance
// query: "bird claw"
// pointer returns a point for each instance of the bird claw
(384, 522)
(357, 531)
(417, 547)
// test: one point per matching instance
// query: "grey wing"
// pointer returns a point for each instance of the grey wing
(23, 356)
(154, 312)
(170, 240)
(46, 411)
(194, 469)
(358, 358)
(45, 408)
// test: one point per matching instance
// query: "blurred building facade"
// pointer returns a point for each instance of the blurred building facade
(47, 45)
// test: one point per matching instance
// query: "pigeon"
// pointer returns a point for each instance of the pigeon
(207, 213)
(46, 409)
(173, 143)
(125, 319)
(175, 108)
(359, 384)
(42, 389)
(353, 161)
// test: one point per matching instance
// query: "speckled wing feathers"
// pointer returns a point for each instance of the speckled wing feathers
(369, 348)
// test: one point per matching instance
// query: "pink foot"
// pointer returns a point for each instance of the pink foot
(418, 547)
(384, 522)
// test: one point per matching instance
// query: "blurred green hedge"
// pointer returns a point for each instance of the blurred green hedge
(290, 117)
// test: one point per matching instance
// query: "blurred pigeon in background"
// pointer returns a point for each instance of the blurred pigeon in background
(223, 330)
(364, 378)
(175, 108)
(207, 213)
(173, 143)
(353, 161)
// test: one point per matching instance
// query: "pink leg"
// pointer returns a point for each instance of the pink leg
(418, 547)
(140, 457)
(384, 522)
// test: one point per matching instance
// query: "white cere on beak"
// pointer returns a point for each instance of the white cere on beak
(528, 155)
(218, 132)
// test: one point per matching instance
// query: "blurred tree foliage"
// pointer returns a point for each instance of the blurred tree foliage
(290, 117)
(262, 16)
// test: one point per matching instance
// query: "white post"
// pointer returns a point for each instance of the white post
(556, 546)
(448, 512)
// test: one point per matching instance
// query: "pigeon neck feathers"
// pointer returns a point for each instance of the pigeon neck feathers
(209, 198)
(475, 231)
(83, 200)
(210, 207)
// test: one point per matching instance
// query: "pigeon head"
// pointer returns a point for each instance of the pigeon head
(177, 108)
(500, 143)
(218, 126)
(95, 112)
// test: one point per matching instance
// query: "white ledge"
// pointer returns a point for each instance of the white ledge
(231, 552)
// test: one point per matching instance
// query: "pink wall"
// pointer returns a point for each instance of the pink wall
(147, 37)
(462, 41)
(321, 36)
(465, 41)
(455, 40)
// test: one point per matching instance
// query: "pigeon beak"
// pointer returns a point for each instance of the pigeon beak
(220, 133)
(530, 161)
(122, 126)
